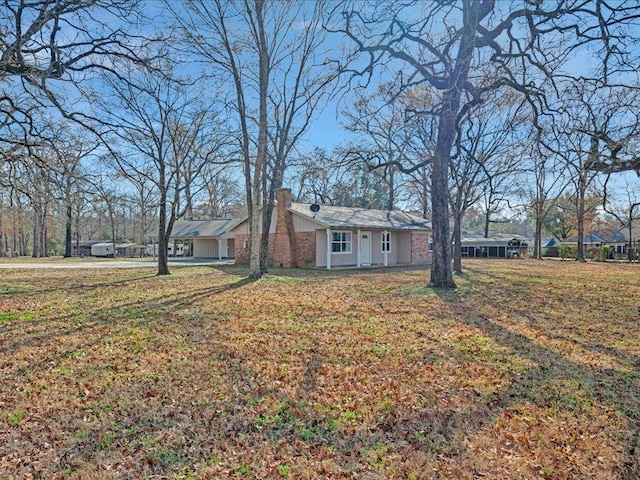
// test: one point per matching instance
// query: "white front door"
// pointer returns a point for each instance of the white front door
(365, 248)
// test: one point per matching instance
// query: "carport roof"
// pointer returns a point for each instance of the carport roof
(203, 228)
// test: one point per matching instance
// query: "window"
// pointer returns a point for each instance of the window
(386, 242)
(341, 242)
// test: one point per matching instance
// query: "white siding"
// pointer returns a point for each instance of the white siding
(404, 247)
(243, 228)
(400, 249)
(377, 257)
(205, 248)
(337, 259)
(302, 224)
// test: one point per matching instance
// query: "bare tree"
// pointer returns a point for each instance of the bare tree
(106, 194)
(234, 39)
(301, 81)
(272, 53)
(166, 139)
(28, 176)
(384, 136)
(592, 114)
(484, 169)
(70, 151)
(544, 182)
(221, 193)
(48, 49)
(443, 44)
(315, 174)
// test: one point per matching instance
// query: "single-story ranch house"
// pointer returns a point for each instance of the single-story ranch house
(606, 236)
(616, 239)
(329, 236)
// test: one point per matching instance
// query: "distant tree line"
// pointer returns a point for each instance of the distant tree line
(117, 118)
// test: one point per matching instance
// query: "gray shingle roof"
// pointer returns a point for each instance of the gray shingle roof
(606, 235)
(495, 240)
(348, 217)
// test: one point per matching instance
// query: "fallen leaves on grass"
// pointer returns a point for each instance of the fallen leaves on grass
(527, 371)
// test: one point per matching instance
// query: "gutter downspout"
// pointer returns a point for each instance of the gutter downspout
(328, 249)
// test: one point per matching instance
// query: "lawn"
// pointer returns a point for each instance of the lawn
(529, 370)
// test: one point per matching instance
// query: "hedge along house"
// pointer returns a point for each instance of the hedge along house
(329, 237)
(208, 238)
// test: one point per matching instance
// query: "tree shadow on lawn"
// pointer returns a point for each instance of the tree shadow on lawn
(432, 435)
(91, 318)
(320, 274)
(560, 385)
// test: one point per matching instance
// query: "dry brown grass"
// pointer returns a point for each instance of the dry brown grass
(529, 370)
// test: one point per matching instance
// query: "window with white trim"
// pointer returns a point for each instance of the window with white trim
(386, 242)
(340, 242)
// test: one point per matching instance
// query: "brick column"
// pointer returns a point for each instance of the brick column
(284, 239)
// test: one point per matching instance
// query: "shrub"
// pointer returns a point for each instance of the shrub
(606, 252)
(569, 251)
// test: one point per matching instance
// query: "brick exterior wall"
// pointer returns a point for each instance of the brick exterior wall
(420, 248)
(242, 254)
(287, 248)
(306, 243)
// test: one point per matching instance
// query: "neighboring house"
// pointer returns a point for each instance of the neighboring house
(496, 246)
(550, 247)
(607, 236)
(209, 238)
(339, 236)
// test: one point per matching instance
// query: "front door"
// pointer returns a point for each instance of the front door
(365, 248)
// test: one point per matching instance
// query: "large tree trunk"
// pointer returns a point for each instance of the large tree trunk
(163, 239)
(261, 154)
(68, 247)
(630, 250)
(487, 223)
(3, 243)
(457, 241)
(441, 268)
(580, 254)
(537, 243)
(267, 211)
(392, 189)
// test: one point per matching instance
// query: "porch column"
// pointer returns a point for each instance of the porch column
(384, 244)
(328, 249)
(219, 249)
(358, 244)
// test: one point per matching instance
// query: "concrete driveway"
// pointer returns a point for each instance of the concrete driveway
(173, 262)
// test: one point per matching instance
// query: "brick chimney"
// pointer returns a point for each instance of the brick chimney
(285, 253)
